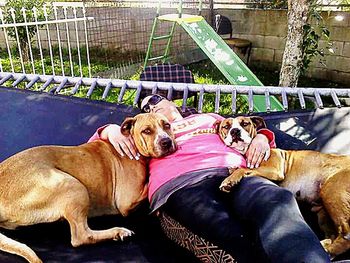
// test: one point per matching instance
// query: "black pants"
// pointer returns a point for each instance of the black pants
(257, 222)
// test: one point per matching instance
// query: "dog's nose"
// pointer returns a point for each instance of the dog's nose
(235, 132)
(166, 143)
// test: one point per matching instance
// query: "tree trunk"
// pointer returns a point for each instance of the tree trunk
(298, 13)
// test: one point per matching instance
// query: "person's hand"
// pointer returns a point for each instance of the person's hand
(124, 145)
(258, 150)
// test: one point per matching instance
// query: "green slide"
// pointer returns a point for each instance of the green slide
(224, 58)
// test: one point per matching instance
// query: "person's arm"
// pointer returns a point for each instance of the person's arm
(259, 149)
(124, 145)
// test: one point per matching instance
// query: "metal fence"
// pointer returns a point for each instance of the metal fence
(48, 40)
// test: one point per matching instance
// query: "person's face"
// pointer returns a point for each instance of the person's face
(159, 104)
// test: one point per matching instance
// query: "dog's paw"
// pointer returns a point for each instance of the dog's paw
(227, 184)
(122, 233)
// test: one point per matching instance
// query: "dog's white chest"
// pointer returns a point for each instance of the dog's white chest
(304, 189)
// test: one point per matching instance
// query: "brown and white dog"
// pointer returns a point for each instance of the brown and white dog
(47, 183)
(322, 180)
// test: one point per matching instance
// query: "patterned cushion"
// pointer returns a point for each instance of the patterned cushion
(201, 248)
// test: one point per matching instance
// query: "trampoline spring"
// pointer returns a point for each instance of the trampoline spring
(46, 84)
(217, 100)
(301, 99)
(63, 83)
(6, 78)
(19, 80)
(234, 101)
(138, 93)
(318, 99)
(284, 100)
(335, 99)
(184, 98)
(122, 92)
(201, 99)
(106, 90)
(267, 100)
(91, 89)
(170, 92)
(32, 82)
(250, 101)
(155, 88)
(76, 86)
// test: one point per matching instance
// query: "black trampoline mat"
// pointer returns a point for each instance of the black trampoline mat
(31, 118)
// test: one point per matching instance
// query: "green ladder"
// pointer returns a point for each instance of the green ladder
(224, 58)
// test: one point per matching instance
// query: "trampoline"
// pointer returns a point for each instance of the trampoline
(31, 118)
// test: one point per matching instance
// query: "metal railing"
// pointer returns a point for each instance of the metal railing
(29, 81)
(47, 40)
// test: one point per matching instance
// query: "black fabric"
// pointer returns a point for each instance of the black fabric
(256, 210)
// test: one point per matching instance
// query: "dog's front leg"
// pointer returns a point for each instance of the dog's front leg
(235, 176)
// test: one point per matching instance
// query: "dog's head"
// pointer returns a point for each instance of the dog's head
(152, 134)
(238, 132)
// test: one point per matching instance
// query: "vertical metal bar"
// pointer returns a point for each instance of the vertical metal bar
(250, 101)
(217, 100)
(7, 42)
(267, 100)
(77, 39)
(12, 11)
(234, 100)
(28, 38)
(301, 99)
(49, 40)
(59, 40)
(38, 39)
(201, 99)
(68, 41)
(86, 42)
(1, 70)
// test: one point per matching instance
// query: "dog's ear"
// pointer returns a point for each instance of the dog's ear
(258, 122)
(216, 125)
(126, 126)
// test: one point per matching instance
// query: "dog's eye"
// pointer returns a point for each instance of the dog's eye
(226, 127)
(244, 124)
(147, 131)
(167, 126)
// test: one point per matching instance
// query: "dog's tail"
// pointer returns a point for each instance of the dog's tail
(14, 247)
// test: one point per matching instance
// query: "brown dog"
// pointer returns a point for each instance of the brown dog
(48, 183)
(322, 180)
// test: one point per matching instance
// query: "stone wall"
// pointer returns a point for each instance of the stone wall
(267, 30)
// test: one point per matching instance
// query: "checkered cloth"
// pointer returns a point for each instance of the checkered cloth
(167, 73)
